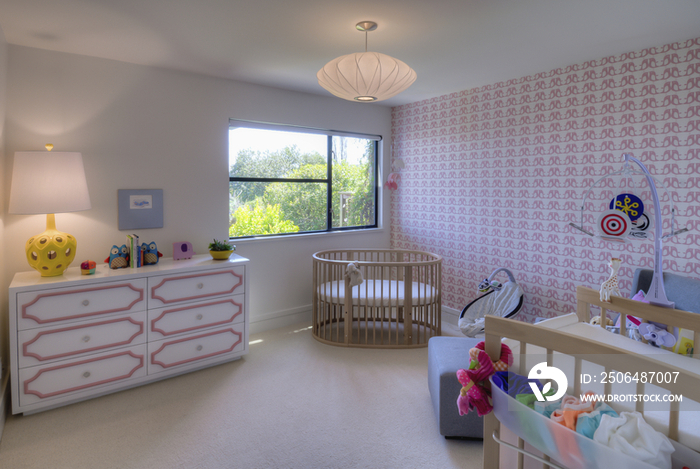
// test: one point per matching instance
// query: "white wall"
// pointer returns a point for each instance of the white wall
(147, 128)
(4, 368)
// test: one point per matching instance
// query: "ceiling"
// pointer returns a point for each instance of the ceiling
(453, 45)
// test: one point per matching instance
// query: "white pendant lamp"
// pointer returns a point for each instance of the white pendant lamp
(366, 76)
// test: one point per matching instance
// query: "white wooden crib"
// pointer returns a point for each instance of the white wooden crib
(580, 349)
(397, 303)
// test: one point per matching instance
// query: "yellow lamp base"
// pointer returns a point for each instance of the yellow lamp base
(52, 251)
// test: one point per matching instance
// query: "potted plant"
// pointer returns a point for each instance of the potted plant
(221, 250)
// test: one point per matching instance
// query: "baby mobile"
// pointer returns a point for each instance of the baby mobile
(626, 217)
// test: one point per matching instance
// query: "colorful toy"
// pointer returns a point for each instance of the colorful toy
(118, 257)
(182, 250)
(474, 393)
(684, 346)
(614, 224)
(392, 181)
(88, 267)
(610, 286)
(656, 335)
(631, 320)
(150, 253)
(630, 204)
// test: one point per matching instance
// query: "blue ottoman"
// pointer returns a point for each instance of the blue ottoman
(446, 355)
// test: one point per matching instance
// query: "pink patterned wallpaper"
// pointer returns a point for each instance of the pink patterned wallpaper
(494, 175)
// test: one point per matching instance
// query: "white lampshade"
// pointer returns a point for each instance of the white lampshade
(366, 76)
(48, 182)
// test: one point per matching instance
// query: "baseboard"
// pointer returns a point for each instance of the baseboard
(4, 400)
(268, 321)
(450, 322)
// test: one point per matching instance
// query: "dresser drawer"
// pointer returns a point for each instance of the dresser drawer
(191, 349)
(170, 321)
(64, 378)
(64, 304)
(47, 344)
(172, 289)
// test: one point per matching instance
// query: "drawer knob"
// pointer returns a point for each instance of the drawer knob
(86, 374)
(86, 302)
(199, 348)
(199, 317)
(200, 286)
(86, 339)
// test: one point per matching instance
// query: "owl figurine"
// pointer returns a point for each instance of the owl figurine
(118, 257)
(150, 253)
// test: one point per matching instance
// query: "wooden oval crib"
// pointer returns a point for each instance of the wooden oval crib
(396, 303)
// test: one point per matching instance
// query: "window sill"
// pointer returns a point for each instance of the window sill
(290, 237)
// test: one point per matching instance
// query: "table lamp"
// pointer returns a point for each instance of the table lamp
(49, 182)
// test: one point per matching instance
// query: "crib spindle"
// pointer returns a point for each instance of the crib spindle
(408, 306)
(577, 376)
(639, 405)
(673, 418)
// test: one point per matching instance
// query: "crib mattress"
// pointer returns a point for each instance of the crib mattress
(377, 293)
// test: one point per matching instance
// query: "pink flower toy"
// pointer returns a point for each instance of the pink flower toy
(474, 393)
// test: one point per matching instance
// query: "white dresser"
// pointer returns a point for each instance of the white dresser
(75, 337)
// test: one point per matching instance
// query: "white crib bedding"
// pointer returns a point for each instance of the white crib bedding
(378, 293)
(689, 416)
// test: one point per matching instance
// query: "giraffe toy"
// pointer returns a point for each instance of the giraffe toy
(610, 286)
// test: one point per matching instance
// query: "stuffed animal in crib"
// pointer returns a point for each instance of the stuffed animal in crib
(118, 257)
(150, 253)
(596, 321)
(656, 335)
(474, 394)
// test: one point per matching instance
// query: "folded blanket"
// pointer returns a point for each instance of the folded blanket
(630, 434)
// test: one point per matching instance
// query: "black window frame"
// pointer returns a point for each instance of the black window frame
(329, 174)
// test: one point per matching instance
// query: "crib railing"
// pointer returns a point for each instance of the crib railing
(398, 304)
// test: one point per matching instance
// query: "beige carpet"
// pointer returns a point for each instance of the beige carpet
(291, 403)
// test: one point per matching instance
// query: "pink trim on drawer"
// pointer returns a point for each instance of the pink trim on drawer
(78, 388)
(67, 354)
(182, 362)
(164, 301)
(194, 328)
(76, 316)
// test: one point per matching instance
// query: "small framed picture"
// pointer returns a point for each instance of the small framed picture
(141, 202)
(140, 208)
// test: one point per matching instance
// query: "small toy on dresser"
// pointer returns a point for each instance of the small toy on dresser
(118, 257)
(182, 250)
(150, 253)
(88, 267)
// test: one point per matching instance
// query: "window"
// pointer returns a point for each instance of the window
(285, 179)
